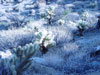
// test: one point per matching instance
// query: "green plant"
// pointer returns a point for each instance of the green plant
(21, 59)
(23, 56)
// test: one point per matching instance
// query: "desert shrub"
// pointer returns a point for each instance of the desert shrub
(20, 37)
(59, 55)
(62, 14)
(17, 20)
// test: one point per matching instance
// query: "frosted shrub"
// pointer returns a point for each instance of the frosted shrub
(61, 13)
(14, 38)
(72, 25)
(17, 20)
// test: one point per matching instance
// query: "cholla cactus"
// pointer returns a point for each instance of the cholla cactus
(20, 61)
(48, 15)
(45, 39)
(23, 55)
(7, 66)
(85, 15)
(61, 22)
(82, 25)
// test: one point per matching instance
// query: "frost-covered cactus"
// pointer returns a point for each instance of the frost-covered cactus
(82, 25)
(7, 66)
(85, 15)
(23, 55)
(45, 39)
(48, 15)
(4, 69)
(20, 60)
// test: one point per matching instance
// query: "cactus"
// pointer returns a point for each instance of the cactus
(48, 15)
(23, 56)
(45, 39)
(20, 61)
(85, 15)
(82, 25)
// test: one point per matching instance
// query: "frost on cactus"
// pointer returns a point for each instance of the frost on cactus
(45, 39)
(48, 15)
(23, 55)
(5, 67)
(6, 63)
(85, 15)
(20, 61)
(82, 25)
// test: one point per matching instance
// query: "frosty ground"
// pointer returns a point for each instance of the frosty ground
(72, 54)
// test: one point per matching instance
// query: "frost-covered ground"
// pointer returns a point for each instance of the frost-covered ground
(25, 23)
